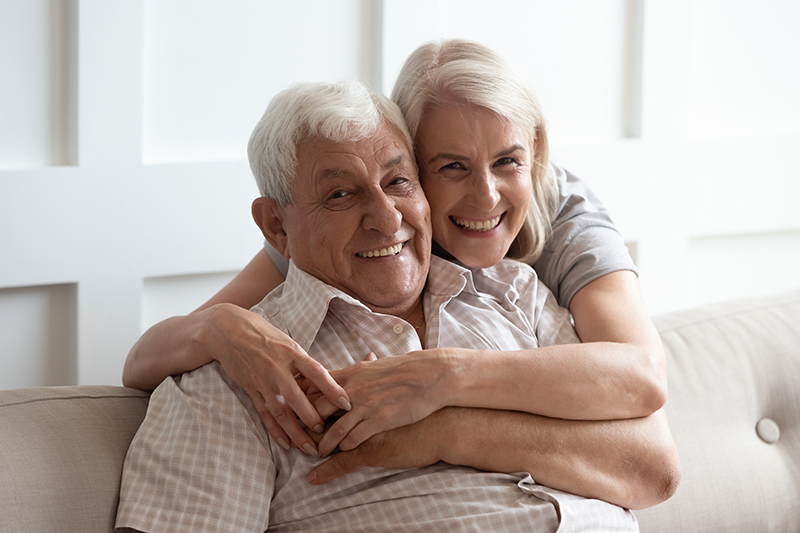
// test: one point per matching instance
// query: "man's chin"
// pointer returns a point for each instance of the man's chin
(390, 298)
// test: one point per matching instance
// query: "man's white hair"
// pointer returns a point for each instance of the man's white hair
(345, 111)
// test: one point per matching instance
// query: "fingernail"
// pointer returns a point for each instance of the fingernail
(312, 477)
(344, 403)
(283, 444)
(318, 428)
(310, 450)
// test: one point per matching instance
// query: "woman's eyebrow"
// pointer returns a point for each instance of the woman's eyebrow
(510, 150)
(444, 155)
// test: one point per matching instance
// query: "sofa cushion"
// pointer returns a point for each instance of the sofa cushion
(61, 455)
(734, 410)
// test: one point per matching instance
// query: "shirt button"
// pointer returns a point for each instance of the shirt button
(398, 329)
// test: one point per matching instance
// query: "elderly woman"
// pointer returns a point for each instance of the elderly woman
(483, 160)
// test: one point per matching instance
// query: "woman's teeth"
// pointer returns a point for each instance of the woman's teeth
(391, 250)
(471, 225)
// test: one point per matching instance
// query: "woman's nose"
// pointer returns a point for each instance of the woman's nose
(484, 191)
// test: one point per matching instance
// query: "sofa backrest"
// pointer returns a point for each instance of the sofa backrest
(61, 455)
(734, 411)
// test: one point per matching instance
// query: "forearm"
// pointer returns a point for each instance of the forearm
(589, 381)
(618, 371)
(166, 349)
(183, 343)
(631, 463)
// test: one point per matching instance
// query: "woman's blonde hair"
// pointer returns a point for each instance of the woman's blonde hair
(457, 71)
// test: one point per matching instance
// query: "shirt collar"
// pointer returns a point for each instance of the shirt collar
(448, 279)
(304, 304)
(304, 300)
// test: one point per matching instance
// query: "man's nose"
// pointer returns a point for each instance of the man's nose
(381, 213)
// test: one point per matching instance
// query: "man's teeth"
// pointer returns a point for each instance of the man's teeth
(391, 250)
(471, 225)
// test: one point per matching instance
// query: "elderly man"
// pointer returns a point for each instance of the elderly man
(348, 209)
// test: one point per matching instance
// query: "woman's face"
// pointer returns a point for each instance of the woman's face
(475, 169)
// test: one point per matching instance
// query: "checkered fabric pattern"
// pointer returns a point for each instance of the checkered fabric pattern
(202, 460)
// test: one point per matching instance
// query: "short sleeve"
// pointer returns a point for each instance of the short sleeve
(584, 244)
(199, 462)
(281, 262)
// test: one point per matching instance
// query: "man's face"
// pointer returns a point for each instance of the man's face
(360, 221)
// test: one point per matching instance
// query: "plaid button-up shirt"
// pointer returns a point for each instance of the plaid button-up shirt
(202, 460)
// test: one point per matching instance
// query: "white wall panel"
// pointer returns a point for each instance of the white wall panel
(166, 296)
(125, 193)
(38, 341)
(208, 77)
(34, 99)
(740, 266)
(745, 70)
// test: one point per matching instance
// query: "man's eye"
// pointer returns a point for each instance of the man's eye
(338, 194)
(398, 181)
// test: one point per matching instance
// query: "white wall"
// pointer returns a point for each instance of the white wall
(124, 189)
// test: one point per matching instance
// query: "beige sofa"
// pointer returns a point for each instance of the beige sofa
(734, 409)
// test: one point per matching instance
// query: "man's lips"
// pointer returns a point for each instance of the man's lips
(383, 252)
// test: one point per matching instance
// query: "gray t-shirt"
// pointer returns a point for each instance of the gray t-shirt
(584, 245)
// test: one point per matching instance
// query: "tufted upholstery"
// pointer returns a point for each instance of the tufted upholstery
(734, 388)
(734, 372)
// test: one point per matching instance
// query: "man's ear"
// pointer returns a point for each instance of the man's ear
(269, 216)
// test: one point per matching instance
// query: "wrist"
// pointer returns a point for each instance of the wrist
(206, 330)
(456, 377)
(447, 438)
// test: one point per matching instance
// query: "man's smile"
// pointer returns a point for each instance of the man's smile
(383, 252)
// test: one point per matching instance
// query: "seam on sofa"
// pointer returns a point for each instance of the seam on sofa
(728, 314)
(76, 396)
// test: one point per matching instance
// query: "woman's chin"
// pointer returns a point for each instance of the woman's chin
(480, 259)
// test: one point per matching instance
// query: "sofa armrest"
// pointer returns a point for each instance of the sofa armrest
(734, 411)
(61, 455)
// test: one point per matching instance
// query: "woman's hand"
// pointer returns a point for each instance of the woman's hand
(267, 364)
(385, 394)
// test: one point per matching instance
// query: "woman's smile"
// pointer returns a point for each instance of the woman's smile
(480, 226)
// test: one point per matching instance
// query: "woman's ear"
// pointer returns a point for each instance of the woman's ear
(269, 216)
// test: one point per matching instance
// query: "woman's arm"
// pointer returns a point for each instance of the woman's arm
(256, 355)
(631, 463)
(618, 372)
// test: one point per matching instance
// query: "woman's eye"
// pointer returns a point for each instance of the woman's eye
(506, 161)
(456, 165)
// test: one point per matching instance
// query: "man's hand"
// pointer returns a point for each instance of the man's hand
(411, 446)
(387, 393)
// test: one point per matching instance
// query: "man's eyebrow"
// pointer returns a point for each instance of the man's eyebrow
(394, 162)
(331, 173)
